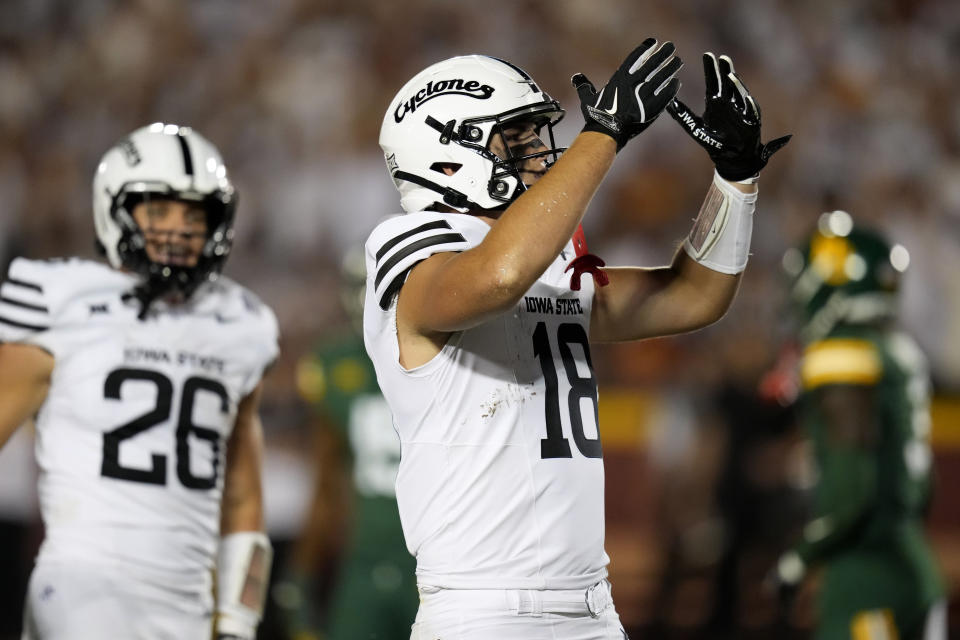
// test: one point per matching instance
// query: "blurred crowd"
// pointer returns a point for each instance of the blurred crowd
(293, 93)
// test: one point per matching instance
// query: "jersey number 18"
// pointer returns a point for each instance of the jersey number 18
(555, 445)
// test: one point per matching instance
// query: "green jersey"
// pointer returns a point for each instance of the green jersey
(873, 485)
(376, 594)
(338, 378)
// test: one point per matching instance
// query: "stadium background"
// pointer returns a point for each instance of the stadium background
(704, 481)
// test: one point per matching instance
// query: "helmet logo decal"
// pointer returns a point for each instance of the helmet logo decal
(130, 152)
(829, 256)
(392, 165)
(456, 86)
(187, 160)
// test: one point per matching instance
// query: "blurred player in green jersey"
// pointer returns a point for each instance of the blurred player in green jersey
(354, 515)
(864, 403)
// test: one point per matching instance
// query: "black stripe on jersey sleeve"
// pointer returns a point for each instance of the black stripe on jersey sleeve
(413, 247)
(24, 305)
(390, 244)
(392, 288)
(22, 325)
(24, 284)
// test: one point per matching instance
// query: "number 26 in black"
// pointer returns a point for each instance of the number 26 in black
(157, 473)
(555, 445)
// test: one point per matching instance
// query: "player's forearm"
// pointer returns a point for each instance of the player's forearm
(698, 294)
(242, 504)
(641, 303)
(533, 230)
(242, 515)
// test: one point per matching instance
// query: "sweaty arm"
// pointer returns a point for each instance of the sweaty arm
(452, 291)
(25, 372)
(695, 290)
(848, 469)
(243, 563)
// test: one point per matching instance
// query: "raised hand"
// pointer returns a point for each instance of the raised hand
(637, 92)
(730, 126)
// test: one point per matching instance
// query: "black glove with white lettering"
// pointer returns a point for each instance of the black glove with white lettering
(730, 127)
(638, 92)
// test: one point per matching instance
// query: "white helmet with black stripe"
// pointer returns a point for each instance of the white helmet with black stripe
(162, 161)
(444, 117)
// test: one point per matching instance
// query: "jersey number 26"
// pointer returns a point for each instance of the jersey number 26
(157, 473)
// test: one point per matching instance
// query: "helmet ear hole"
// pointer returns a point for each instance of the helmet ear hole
(446, 168)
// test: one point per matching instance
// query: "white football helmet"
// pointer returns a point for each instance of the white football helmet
(445, 116)
(162, 161)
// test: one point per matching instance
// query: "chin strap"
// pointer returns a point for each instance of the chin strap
(451, 197)
(585, 263)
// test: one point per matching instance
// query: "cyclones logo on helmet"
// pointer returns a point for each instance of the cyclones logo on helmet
(469, 88)
(436, 131)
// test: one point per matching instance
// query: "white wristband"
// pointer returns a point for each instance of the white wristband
(720, 238)
(243, 572)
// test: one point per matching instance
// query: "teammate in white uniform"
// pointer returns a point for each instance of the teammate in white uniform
(478, 323)
(144, 380)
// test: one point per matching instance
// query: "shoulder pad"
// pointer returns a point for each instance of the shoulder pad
(39, 296)
(246, 320)
(251, 304)
(841, 361)
(232, 302)
(400, 243)
(25, 300)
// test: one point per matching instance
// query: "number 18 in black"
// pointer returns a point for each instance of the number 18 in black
(555, 445)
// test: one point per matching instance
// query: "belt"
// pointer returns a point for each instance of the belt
(591, 601)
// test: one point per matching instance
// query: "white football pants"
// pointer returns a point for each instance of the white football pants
(87, 602)
(515, 614)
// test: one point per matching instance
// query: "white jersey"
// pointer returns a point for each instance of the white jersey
(501, 475)
(131, 438)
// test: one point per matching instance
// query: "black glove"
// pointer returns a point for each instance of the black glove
(730, 127)
(638, 91)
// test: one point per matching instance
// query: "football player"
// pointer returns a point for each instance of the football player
(143, 379)
(478, 323)
(865, 405)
